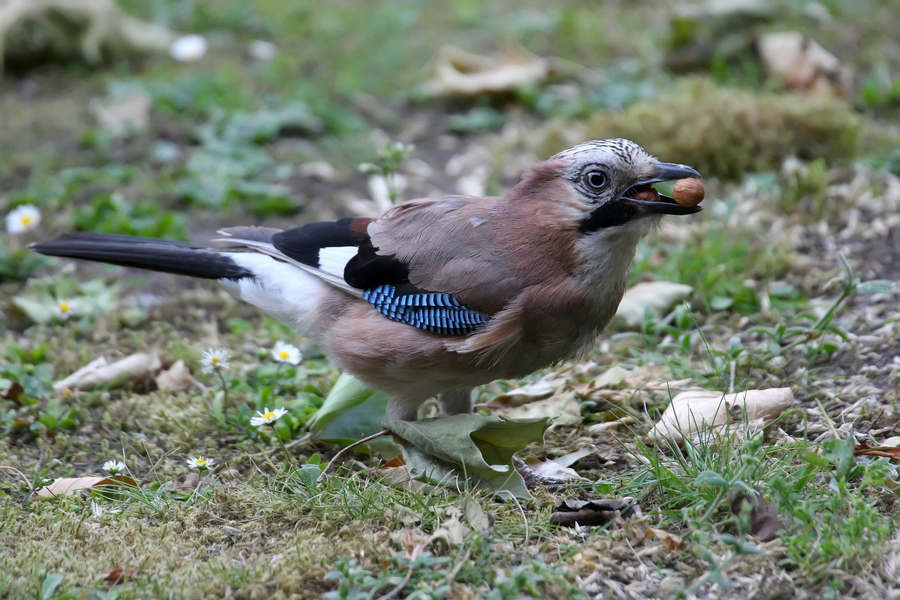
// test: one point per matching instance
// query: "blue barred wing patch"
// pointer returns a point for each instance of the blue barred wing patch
(437, 313)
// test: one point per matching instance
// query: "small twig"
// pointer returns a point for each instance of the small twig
(343, 451)
(412, 563)
(524, 518)
(20, 474)
(451, 576)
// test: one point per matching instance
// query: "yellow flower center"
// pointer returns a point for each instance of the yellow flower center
(269, 416)
(63, 306)
(201, 462)
(26, 220)
(283, 355)
(215, 360)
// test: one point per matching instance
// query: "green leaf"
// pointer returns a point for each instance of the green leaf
(878, 286)
(347, 392)
(49, 584)
(710, 479)
(360, 421)
(49, 421)
(480, 448)
(39, 312)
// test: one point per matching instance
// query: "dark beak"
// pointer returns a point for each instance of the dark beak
(629, 206)
(666, 205)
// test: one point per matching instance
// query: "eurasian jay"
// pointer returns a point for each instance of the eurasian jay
(439, 295)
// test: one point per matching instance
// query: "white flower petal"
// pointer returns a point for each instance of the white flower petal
(113, 466)
(286, 353)
(267, 417)
(23, 218)
(200, 462)
(215, 359)
(188, 48)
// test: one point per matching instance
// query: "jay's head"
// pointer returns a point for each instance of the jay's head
(609, 184)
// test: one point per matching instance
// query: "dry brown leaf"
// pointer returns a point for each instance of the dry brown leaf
(118, 574)
(622, 421)
(801, 63)
(124, 113)
(452, 531)
(764, 518)
(84, 27)
(190, 483)
(670, 542)
(542, 388)
(399, 476)
(475, 515)
(890, 452)
(457, 72)
(177, 378)
(101, 372)
(592, 513)
(657, 296)
(693, 411)
(567, 460)
(70, 485)
(553, 471)
(563, 408)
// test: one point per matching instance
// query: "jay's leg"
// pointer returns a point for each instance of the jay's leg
(400, 408)
(456, 402)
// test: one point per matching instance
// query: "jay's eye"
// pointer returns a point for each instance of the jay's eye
(595, 180)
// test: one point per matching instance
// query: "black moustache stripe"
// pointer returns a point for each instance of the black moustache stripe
(609, 214)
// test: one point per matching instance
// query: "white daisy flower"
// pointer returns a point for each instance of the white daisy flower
(113, 467)
(200, 462)
(268, 417)
(286, 353)
(188, 48)
(23, 218)
(215, 359)
(65, 308)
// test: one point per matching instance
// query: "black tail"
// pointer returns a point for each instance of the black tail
(181, 258)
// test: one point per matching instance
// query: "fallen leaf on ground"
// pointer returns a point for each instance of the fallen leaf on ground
(567, 460)
(70, 485)
(189, 484)
(890, 452)
(457, 72)
(670, 542)
(399, 476)
(102, 373)
(118, 574)
(123, 113)
(448, 450)
(542, 388)
(639, 532)
(694, 411)
(553, 471)
(764, 518)
(656, 296)
(801, 63)
(475, 515)
(177, 378)
(89, 28)
(563, 408)
(594, 513)
(451, 531)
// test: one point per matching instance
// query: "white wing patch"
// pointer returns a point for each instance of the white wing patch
(268, 249)
(333, 259)
(280, 289)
